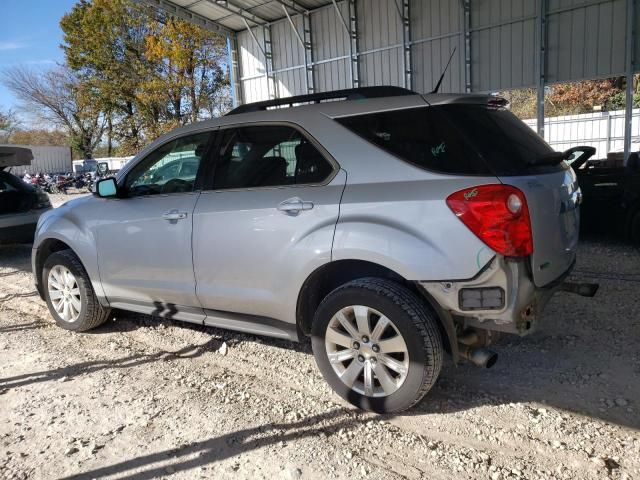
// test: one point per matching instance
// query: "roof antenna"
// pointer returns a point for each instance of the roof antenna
(435, 90)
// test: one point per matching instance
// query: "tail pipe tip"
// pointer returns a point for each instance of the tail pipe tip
(582, 289)
(480, 357)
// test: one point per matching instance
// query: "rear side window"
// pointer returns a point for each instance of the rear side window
(455, 139)
(268, 156)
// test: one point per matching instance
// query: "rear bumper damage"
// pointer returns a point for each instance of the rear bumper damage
(501, 298)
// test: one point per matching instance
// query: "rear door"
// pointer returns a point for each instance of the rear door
(264, 221)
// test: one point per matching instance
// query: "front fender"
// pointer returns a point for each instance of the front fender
(68, 229)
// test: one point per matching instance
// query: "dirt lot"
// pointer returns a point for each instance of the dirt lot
(147, 398)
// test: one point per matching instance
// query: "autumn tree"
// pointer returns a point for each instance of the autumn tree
(149, 71)
(188, 70)
(581, 97)
(40, 136)
(104, 45)
(60, 99)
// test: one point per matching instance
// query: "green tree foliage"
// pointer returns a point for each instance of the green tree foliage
(149, 73)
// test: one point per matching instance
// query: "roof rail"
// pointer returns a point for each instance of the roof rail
(348, 94)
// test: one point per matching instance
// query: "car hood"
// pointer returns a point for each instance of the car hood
(11, 156)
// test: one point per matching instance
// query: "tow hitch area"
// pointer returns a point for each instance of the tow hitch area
(582, 289)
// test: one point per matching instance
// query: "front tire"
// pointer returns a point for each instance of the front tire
(377, 345)
(69, 294)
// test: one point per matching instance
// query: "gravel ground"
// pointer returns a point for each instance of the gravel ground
(146, 398)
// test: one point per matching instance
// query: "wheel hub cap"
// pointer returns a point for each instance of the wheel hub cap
(367, 351)
(64, 293)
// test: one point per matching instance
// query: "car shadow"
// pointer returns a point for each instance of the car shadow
(210, 451)
(575, 362)
(583, 360)
(17, 257)
(23, 326)
(71, 371)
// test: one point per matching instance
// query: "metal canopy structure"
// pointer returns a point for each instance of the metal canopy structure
(281, 48)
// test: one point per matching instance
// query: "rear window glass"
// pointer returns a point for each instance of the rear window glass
(456, 139)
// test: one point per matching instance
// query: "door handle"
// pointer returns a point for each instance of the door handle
(173, 215)
(295, 205)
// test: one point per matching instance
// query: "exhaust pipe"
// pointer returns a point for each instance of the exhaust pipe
(582, 289)
(480, 357)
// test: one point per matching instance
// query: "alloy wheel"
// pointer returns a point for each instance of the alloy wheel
(367, 351)
(64, 293)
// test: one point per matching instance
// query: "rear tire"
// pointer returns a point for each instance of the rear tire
(386, 368)
(69, 294)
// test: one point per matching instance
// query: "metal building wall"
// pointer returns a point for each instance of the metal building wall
(585, 39)
(46, 159)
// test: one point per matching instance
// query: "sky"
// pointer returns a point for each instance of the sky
(30, 35)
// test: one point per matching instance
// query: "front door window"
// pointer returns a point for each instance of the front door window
(171, 168)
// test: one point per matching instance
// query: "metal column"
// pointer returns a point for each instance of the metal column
(351, 29)
(405, 18)
(305, 43)
(353, 44)
(234, 70)
(467, 45)
(542, 63)
(628, 110)
(268, 62)
(308, 51)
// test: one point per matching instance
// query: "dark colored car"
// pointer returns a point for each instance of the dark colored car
(20, 204)
(611, 194)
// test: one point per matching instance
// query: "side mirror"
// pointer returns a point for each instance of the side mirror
(107, 187)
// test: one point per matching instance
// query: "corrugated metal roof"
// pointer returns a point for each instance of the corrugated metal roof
(232, 13)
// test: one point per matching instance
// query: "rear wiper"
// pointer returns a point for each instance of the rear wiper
(552, 158)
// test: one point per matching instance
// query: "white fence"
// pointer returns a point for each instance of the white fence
(602, 130)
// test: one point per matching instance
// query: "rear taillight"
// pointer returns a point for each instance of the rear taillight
(498, 215)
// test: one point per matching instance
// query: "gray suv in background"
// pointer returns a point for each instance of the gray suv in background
(388, 226)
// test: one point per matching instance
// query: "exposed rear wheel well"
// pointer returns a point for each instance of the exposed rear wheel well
(45, 249)
(334, 274)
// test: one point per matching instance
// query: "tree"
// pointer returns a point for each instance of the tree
(40, 136)
(104, 44)
(8, 124)
(581, 97)
(150, 72)
(188, 72)
(56, 96)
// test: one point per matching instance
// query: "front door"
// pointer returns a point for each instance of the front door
(266, 221)
(144, 237)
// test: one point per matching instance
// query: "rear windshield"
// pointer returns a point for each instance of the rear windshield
(456, 139)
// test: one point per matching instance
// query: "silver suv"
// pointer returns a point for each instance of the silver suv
(388, 226)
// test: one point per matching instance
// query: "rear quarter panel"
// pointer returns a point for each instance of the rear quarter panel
(408, 228)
